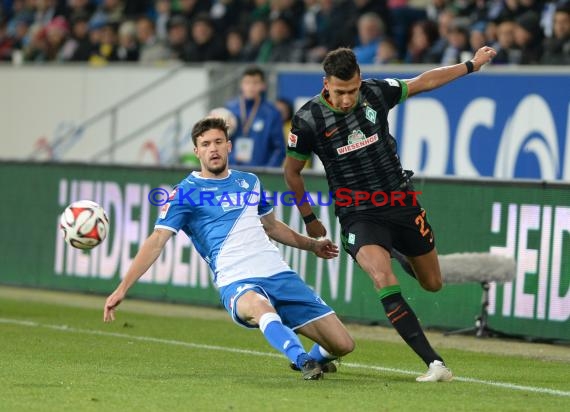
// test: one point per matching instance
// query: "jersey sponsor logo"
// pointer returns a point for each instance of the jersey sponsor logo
(292, 140)
(232, 201)
(329, 133)
(351, 147)
(164, 211)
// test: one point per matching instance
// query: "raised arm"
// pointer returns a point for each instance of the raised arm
(432, 79)
(295, 183)
(282, 233)
(146, 256)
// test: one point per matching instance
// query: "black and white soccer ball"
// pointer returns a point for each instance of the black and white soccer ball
(84, 224)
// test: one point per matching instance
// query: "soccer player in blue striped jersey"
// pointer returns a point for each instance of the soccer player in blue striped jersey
(230, 224)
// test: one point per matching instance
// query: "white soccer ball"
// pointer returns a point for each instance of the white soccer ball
(228, 116)
(84, 224)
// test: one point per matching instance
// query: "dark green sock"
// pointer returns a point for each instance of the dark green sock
(406, 323)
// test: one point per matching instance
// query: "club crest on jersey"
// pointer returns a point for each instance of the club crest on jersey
(356, 136)
(371, 114)
(292, 140)
(242, 183)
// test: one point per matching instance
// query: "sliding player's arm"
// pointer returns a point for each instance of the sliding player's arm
(146, 256)
(282, 233)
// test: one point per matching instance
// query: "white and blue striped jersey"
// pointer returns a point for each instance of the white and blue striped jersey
(222, 218)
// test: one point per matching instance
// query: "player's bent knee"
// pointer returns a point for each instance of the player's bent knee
(432, 283)
(344, 347)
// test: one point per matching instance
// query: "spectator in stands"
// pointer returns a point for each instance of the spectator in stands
(528, 37)
(205, 44)
(151, 48)
(163, 10)
(6, 43)
(387, 52)
(74, 8)
(44, 11)
(18, 32)
(110, 10)
(235, 46)
(56, 32)
(280, 46)
(557, 48)
(193, 8)
(477, 38)
(316, 31)
(258, 139)
(458, 44)
(128, 48)
(20, 13)
(34, 49)
(77, 48)
(507, 52)
(259, 11)
(444, 23)
(423, 36)
(226, 13)
(256, 35)
(434, 8)
(402, 17)
(178, 38)
(290, 11)
(371, 31)
(106, 50)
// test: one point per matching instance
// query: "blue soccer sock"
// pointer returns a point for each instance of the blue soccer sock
(281, 337)
(320, 354)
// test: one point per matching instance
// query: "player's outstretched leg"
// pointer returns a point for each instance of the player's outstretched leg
(406, 323)
(287, 342)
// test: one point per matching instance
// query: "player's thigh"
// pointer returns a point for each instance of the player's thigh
(252, 305)
(427, 270)
(368, 240)
(330, 333)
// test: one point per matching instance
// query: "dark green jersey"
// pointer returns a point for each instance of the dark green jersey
(356, 148)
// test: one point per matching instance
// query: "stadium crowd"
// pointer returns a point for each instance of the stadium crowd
(263, 31)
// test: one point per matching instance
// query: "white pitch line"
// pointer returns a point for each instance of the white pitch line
(66, 328)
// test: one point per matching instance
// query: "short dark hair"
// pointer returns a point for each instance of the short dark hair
(206, 124)
(341, 63)
(254, 71)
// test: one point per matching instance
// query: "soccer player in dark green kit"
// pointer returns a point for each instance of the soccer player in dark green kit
(346, 126)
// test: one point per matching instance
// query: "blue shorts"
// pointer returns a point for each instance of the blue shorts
(294, 301)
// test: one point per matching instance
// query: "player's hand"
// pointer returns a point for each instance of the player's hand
(111, 304)
(316, 229)
(483, 56)
(325, 249)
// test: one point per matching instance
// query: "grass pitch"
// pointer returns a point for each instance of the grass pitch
(58, 355)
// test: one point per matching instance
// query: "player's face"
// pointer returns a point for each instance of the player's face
(212, 150)
(343, 94)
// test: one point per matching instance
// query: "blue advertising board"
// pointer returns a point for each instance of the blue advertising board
(497, 124)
